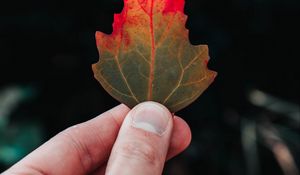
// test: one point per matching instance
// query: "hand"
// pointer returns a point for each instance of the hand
(119, 141)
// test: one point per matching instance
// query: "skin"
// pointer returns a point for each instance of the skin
(107, 144)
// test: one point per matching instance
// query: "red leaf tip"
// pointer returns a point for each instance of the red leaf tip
(174, 6)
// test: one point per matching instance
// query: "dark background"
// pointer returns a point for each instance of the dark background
(47, 48)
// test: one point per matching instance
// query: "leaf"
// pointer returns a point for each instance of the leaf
(148, 56)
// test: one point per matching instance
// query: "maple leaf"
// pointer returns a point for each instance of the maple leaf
(148, 56)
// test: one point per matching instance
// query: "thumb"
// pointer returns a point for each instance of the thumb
(143, 141)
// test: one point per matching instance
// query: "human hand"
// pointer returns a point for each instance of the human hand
(119, 141)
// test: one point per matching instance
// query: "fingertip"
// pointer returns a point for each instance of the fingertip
(152, 117)
(120, 109)
(185, 131)
(117, 113)
(181, 137)
(122, 105)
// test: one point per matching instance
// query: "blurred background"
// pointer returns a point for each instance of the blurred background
(246, 123)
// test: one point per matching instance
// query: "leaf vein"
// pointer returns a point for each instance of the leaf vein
(182, 74)
(125, 80)
(121, 71)
(194, 82)
(193, 60)
(187, 99)
(166, 32)
(110, 86)
(178, 83)
(144, 58)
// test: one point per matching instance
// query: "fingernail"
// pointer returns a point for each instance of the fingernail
(151, 116)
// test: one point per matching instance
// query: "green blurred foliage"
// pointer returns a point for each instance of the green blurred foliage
(17, 138)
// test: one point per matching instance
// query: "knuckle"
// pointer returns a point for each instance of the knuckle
(140, 151)
(80, 149)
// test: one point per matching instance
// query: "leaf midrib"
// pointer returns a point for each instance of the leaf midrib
(152, 61)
